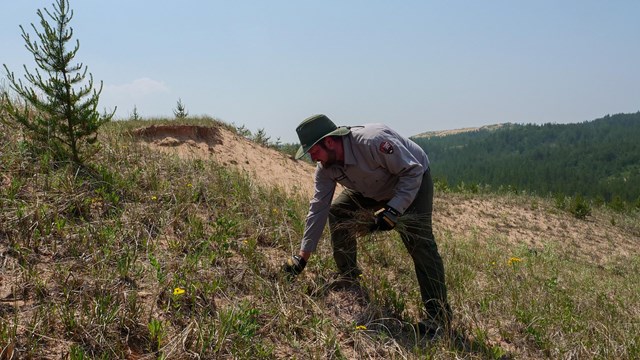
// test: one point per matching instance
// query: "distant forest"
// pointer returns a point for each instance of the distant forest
(598, 159)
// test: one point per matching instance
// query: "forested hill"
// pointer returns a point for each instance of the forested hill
(599, 159)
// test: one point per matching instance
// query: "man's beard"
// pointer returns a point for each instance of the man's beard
(331, 158)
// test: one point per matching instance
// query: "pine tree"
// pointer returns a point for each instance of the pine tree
(58, 114)
(135, 116)
(181, 111)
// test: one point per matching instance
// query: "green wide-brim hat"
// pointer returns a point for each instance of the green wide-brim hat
(314, 129)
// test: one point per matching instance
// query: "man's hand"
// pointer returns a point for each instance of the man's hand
(385, 219)
(294, 265)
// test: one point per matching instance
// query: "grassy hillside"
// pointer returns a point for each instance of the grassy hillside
(598, 159)
(154, 256)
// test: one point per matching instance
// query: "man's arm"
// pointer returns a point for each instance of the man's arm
(315, 222)
(409, 169)
(305, 255)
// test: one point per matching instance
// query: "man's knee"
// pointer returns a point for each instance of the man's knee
(336, 212)
(420, 243)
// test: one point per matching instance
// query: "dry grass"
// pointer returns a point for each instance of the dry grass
(157, 256)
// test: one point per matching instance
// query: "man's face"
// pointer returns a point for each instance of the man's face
(322, 154)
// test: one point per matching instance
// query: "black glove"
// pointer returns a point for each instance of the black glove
(294, 265)
(385, 219)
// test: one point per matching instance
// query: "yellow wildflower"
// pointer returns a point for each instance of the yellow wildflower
(514, 260)
(178, 291)
(361, 327)
(154, 198)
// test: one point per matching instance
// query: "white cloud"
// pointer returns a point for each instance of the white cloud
(150, 97)
(137, 88)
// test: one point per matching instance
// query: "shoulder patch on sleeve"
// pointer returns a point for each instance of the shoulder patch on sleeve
(386, 147)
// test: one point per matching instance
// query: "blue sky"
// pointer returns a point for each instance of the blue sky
(415, 65)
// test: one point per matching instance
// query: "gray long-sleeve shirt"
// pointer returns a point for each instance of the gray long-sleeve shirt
(379, 163)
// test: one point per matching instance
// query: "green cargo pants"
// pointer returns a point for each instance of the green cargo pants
(417, 235)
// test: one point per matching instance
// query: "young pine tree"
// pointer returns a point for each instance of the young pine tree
(181, 111)
(58, 109)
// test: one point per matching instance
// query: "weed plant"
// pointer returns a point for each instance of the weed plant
(153, 256)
